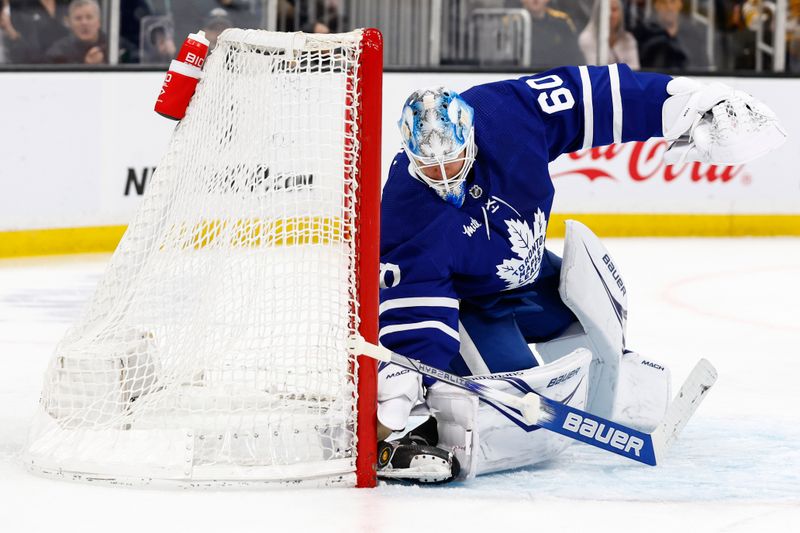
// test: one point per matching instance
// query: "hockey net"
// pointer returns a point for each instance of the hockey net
(215, 348)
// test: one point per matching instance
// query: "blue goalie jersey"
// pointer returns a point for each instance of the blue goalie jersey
(435, 255)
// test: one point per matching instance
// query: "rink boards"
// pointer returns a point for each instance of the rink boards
(80, 147)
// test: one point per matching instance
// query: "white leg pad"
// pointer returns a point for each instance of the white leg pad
(484, 439)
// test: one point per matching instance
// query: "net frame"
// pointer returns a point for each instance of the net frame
(55, 450)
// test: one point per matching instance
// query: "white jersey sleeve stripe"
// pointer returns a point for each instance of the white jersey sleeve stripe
(399, 303)
(426, 324)
(588, 108)
(616, 101)
(470, 354)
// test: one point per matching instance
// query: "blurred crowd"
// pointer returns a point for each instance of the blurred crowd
(661, 34)
(76, 31)
(648, 34)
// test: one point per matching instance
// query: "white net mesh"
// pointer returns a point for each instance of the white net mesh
(215, 346)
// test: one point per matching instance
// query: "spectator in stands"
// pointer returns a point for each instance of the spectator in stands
(6, 29)
(86, 44)
(191, 15)
(634, 13)
(758, 12)
(31, 27)
(242, 13)
(310, 16)
(215, 24)
(622, 46)
(793, 37)
(323, 19)
(578, 10)
(159, 44)
(735, 44)
(554, 40)
(130, 25)
(668, 42)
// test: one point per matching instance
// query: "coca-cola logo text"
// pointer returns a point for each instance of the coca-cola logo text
(639, 161)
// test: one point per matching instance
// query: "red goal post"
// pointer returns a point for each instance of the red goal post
(369, 246)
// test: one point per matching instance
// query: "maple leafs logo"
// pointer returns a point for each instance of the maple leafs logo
(528, 245)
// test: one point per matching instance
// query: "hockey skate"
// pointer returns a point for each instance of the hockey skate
(415, 457)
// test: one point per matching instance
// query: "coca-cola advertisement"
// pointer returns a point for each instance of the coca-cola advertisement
(638, 161)
(633, 178)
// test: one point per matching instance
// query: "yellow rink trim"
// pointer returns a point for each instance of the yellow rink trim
(106, 238)
(60, 241)
(679, 225)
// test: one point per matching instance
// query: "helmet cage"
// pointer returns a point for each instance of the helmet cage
(446, 185)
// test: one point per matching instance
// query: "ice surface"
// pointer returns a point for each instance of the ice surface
(735, 468)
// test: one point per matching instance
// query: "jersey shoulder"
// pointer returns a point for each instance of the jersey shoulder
(507, 117)
(500, 101)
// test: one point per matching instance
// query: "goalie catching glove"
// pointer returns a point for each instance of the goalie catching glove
(716, 124)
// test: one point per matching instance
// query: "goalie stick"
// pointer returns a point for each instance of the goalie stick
(647, 448)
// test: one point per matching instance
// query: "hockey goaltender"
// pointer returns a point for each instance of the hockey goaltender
(468, 287)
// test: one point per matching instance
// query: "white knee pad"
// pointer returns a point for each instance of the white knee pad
(484, 438)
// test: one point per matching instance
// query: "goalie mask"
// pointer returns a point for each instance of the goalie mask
(437, 132)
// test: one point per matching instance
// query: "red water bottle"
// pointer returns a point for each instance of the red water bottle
(182, 77)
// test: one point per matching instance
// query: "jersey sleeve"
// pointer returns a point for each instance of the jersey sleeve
(418, 306)
(587, 106)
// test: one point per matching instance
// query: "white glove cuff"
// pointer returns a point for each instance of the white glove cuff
(399, 390)
(688, 102)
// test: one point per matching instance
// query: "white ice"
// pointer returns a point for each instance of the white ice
(735, 468)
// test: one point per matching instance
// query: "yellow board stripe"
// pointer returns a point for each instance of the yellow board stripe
(60, 241)
(106, 238)
(677, 225)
